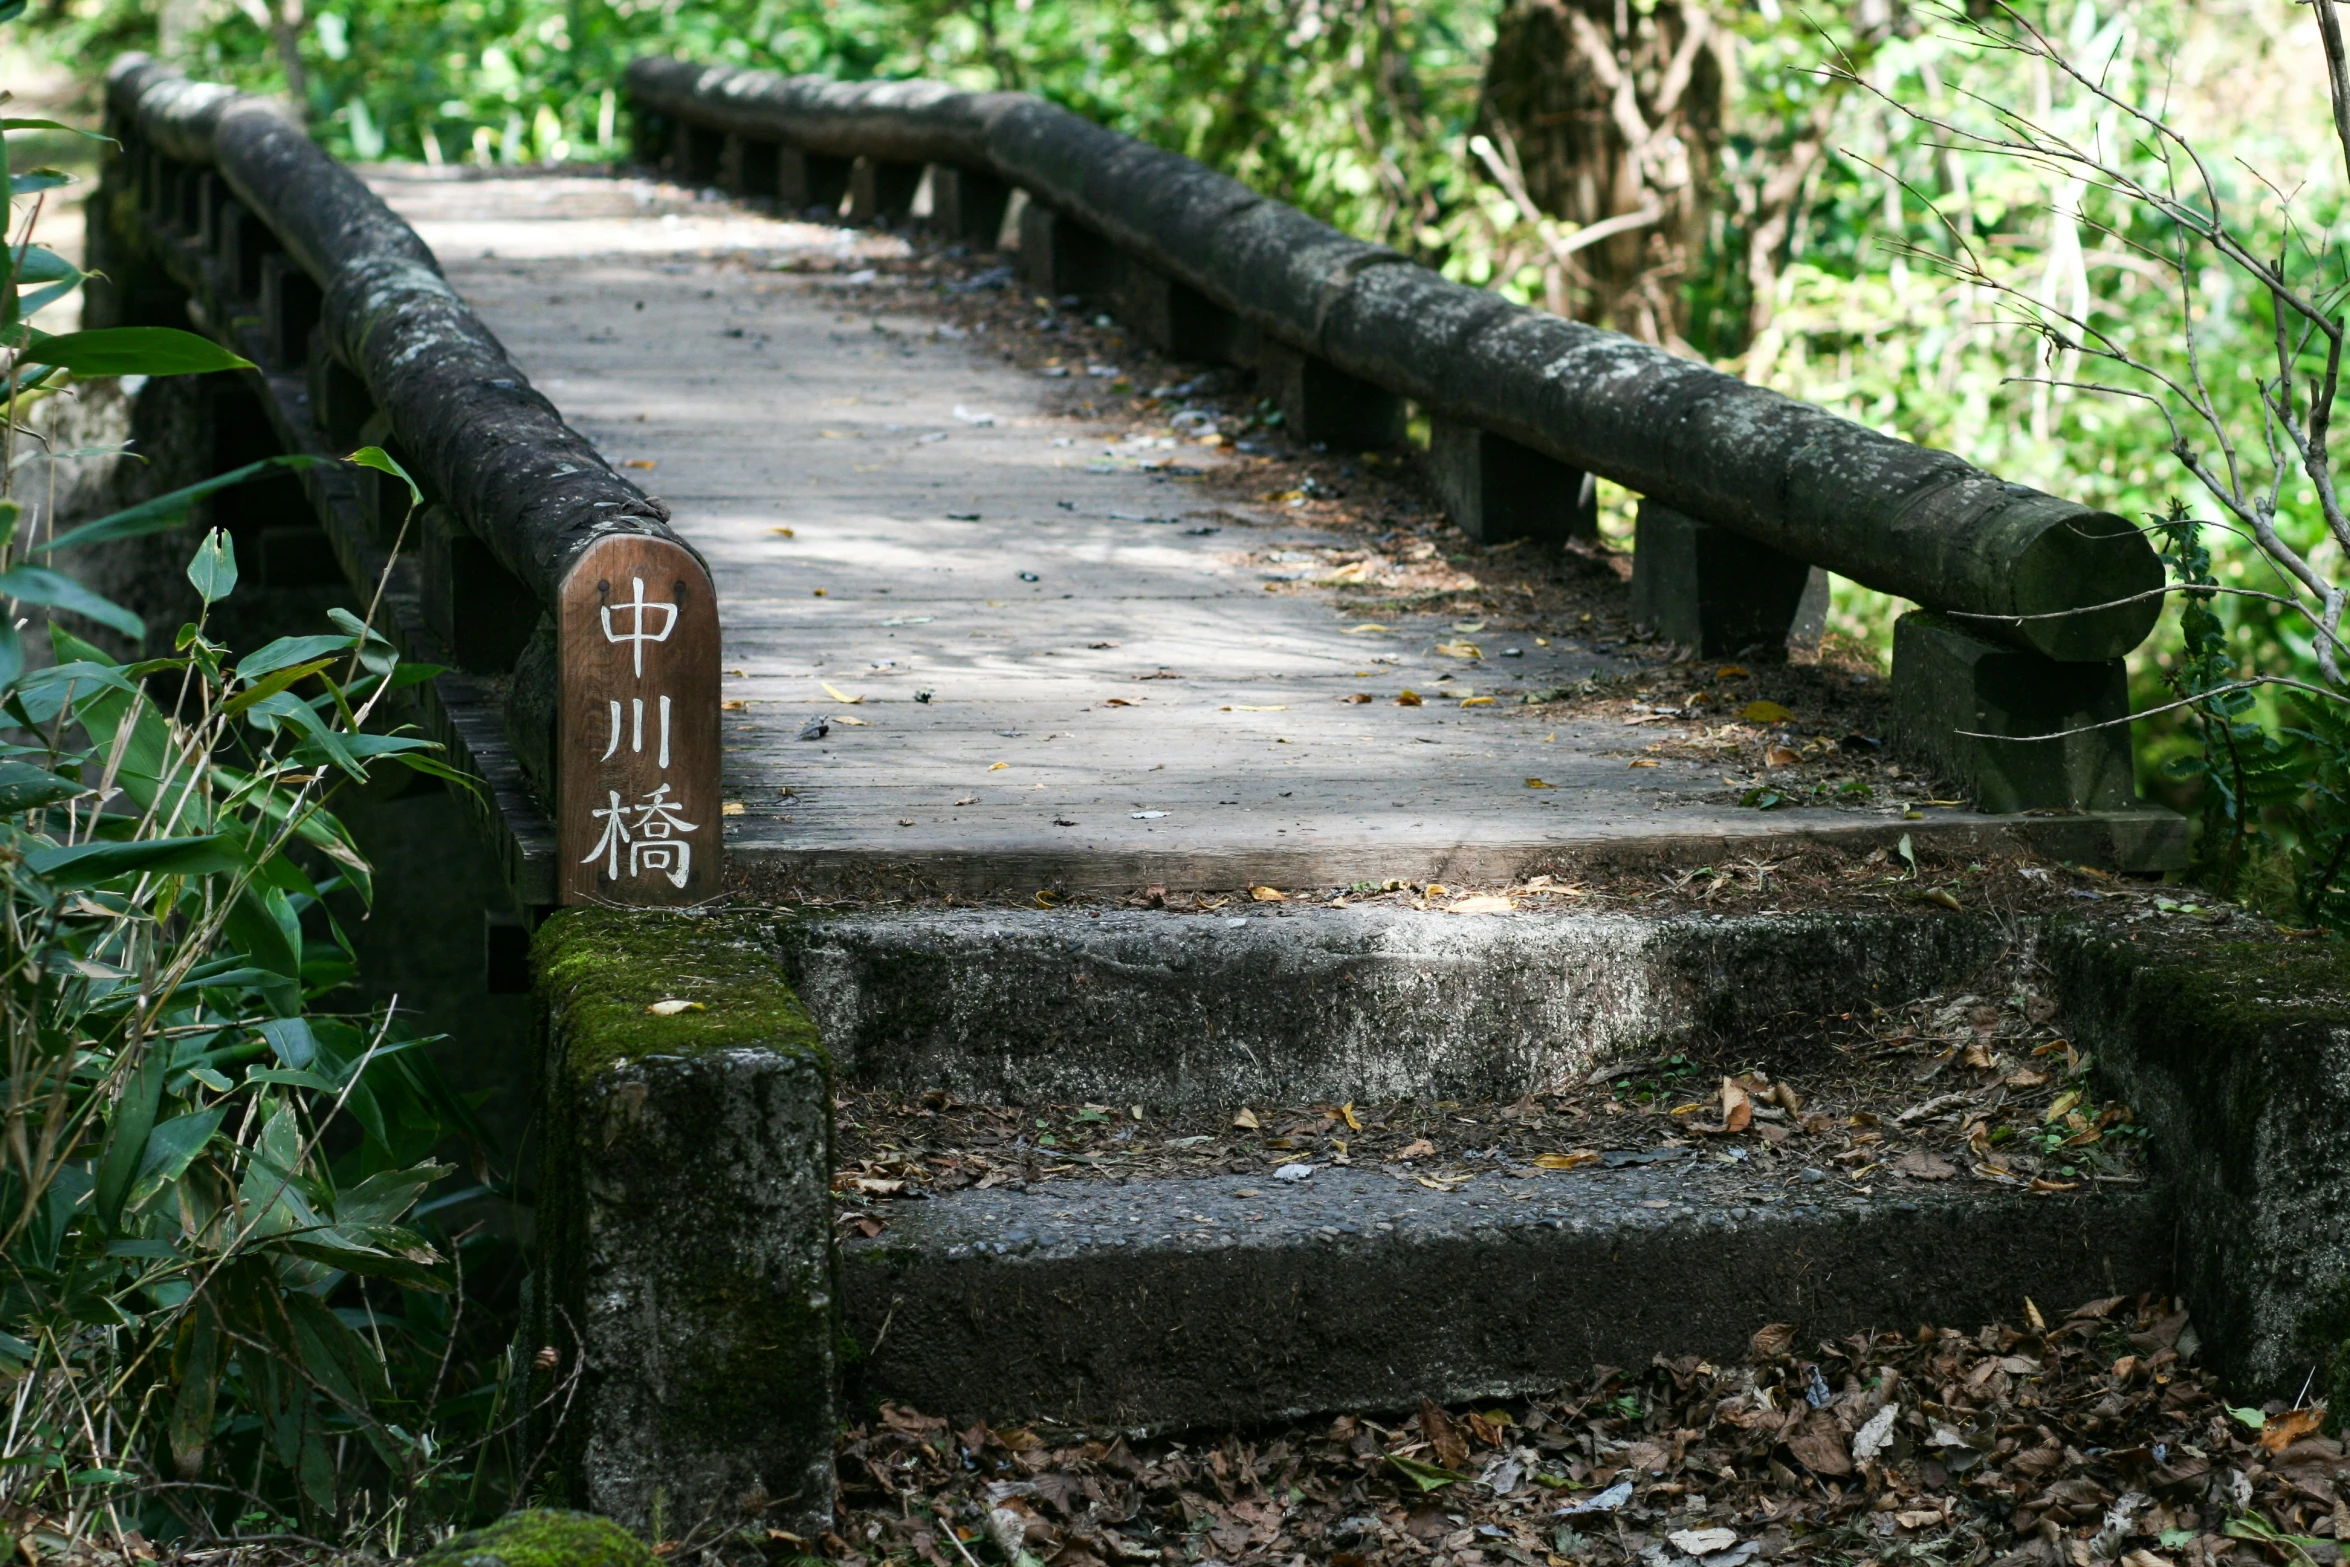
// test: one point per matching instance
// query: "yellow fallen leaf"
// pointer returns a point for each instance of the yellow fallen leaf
(1046, 898)
(1565, 1161)
(1434, 889)
(1764, 713)
(1476, 701)
(1368, 625)
(1246, 1120)
(1646, 761)
(783, 533)
(672, 1008)
(1268, 895)
(737, 706)
(1730, 672)
(640, 462)
(1346, 1113)
(1484, 903)
(1407, 699)
(1468, 625)
(997, 767)
(1536, 783)
(837, 695)
(843, 718)
(1460, 650)
(732, 808)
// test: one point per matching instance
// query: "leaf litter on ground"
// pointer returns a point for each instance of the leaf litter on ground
(1979, 1085)
(2085, 1438)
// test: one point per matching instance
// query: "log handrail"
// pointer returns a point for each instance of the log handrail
(628, 654)
(1905, 519)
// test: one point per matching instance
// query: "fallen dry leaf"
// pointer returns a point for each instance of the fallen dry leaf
(1920, 1165)
(1407, 699)
(1737, 1106)
(672, 1008)
(2283, 1430)
(1483, 903)
(1818, 1445)
(1444, 1438)
(1536, 783)
(1418, 1148)
(1562, 1161)
(1246, 1120)
(1765, 713)
(1268, 895)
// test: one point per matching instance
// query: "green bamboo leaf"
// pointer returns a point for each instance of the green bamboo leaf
(168, 511)
(128, 1132)
(198, 1366)
(171, 1148)
(271, 684)
(384, 462)
(1428, 1477)
(214, 570)
(288, 650)
(24, 787)
(39, 585)
(131, 350)
(87, 864)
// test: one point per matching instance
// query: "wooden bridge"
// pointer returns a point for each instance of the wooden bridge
(885, 498)
(903, 618)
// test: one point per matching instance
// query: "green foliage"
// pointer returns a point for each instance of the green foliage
(223, 1306)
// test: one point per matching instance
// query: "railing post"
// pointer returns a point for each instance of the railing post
(1953, 692)
(482, 615)
(639, 818)
(810, 181)
(1060, 256)
(1719, 593)
(1324, 406)
(747, 168)
(241, 243)
(694, 154)
(1179, 321)
(1496, 490)
(290, 303)
(966, 206)
(882, 192)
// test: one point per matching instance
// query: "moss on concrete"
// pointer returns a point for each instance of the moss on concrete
(542, 1537)
(602, 970)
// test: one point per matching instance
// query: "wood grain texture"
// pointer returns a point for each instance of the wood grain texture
(637, 727)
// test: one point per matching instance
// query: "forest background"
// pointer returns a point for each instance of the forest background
(1746, 181)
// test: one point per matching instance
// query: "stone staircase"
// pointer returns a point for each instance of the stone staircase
(1129, 1168)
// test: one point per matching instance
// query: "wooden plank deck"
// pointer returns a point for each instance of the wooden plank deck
(1026, 683)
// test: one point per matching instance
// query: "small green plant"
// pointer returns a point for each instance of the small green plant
(220, 1311)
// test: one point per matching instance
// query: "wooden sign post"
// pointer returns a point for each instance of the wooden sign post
(636, 736)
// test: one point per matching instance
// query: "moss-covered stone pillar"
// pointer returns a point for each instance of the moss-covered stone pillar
(685, 1235)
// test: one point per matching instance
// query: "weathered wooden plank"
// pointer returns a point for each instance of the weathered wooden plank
(798, 424)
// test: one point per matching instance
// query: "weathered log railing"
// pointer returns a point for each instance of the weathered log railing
(2029, 601)
(553, 587)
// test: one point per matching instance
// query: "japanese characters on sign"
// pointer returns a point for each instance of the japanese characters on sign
(638, 722)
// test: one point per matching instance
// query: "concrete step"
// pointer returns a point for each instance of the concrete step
(1227, 1299)
(1287, 1003)
(1155, 1270)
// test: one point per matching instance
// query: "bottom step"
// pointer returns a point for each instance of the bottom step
(1224, 1299)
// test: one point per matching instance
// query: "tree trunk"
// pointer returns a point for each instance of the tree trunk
(1603, 111)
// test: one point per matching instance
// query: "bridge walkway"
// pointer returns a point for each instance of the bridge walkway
(1046, 649)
